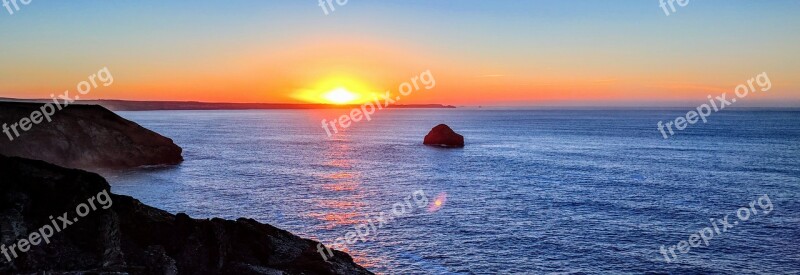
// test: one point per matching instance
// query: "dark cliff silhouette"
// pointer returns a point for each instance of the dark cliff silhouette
(130, 237)
(83, 136)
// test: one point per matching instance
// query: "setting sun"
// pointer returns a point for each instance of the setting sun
(335, 89)
(340, 96)
(431, 137)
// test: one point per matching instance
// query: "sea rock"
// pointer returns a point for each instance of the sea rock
(443, 136)
(120, 235)
(82, 136)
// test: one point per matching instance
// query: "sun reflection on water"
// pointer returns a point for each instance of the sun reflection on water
(341, 200)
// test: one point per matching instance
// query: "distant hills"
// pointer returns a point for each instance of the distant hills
(125, 105)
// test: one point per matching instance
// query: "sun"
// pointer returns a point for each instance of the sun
(336, 90)
(340, 96)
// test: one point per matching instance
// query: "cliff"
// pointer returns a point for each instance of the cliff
(121, 235)
(81, 136)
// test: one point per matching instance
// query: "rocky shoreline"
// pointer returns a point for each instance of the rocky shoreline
(81, 136)
(53, 219)
(130, 237)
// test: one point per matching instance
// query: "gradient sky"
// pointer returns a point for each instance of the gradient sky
(481, 52)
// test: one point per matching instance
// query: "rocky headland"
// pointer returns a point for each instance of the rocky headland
(58, 220)
(130, 237)
(81, 136)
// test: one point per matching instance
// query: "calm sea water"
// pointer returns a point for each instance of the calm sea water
(534, 191)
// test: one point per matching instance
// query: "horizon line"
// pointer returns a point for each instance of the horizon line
(619, 104)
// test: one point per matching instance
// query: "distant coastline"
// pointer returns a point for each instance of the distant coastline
(125, 105)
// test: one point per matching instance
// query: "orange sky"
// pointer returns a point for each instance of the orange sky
(480, 55)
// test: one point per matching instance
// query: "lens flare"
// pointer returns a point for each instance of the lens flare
(438, 202)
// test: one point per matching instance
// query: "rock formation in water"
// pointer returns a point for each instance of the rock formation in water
(121, 235)
(443, 136)
(81, 136)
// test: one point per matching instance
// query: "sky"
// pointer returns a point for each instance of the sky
(503, 53)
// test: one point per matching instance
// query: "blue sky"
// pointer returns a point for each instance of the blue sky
(50, 44)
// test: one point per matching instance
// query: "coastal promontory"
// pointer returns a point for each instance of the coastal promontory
(81, 136)
(103, 233)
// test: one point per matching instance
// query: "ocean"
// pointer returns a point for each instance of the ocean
(533, 191)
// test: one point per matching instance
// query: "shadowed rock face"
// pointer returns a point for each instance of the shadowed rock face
(443, 136)
(85, 136)
(134, 238)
